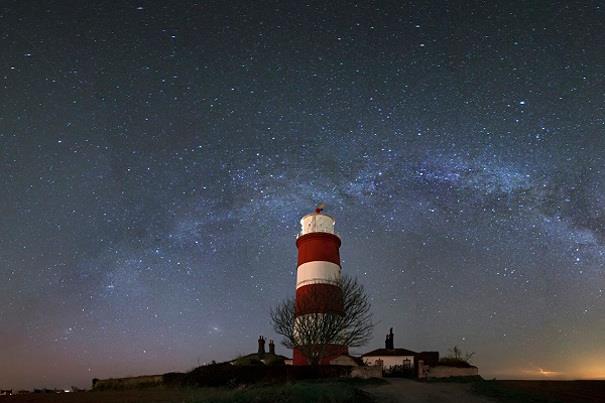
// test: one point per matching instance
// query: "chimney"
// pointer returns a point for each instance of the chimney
(261, 345)
(271, 347)
(389, 343)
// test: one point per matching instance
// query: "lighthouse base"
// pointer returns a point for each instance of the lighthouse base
(331, 351)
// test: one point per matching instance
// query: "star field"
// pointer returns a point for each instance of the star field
(156, 157)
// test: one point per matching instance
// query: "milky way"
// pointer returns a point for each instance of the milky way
(156, 158)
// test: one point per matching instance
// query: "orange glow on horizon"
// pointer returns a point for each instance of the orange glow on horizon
(541, 373)
(548, 373)
(595, 373)
(576, 372)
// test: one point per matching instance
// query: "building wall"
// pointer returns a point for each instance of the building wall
(441, 371)
(389, 361)
(373, 371)
(126, 383)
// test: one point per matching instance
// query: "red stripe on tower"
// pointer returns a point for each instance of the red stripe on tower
(318, 298)
(318, 246)
(317, 276)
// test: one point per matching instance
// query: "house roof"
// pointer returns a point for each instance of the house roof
(390, 352)
(257, 357)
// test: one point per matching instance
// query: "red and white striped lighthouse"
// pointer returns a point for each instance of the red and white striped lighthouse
(317, 276)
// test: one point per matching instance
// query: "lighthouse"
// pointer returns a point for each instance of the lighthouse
(317, 277)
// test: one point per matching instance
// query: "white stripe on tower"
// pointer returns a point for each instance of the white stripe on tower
(317, 272)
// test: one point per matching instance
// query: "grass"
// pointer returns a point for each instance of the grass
(506, 394)
(328, 391)
(360, 381)
(300, 392)
(496, 389)
(456, 379)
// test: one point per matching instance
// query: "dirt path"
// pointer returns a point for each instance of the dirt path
(409, 391)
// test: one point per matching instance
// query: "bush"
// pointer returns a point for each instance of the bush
(273, 360)
(244, 361)
(225, 374)
(303, 392)
(454, 362)
(254, 359)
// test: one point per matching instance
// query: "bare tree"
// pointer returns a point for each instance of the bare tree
(311, 333)
(456, 354)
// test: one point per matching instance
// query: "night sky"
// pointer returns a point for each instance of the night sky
(155, 158)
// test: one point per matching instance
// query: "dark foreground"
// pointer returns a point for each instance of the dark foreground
(479, 391)
(302, 392)
(543, 391)
(338, 391)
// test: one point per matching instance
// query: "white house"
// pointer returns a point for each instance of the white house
(390, 359)
(398, 359)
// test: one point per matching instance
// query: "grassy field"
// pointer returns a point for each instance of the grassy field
(543, 391)
(332, 391)
(301, 392)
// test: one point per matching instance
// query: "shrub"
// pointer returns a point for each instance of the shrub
(225, 374)
(454, 362)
